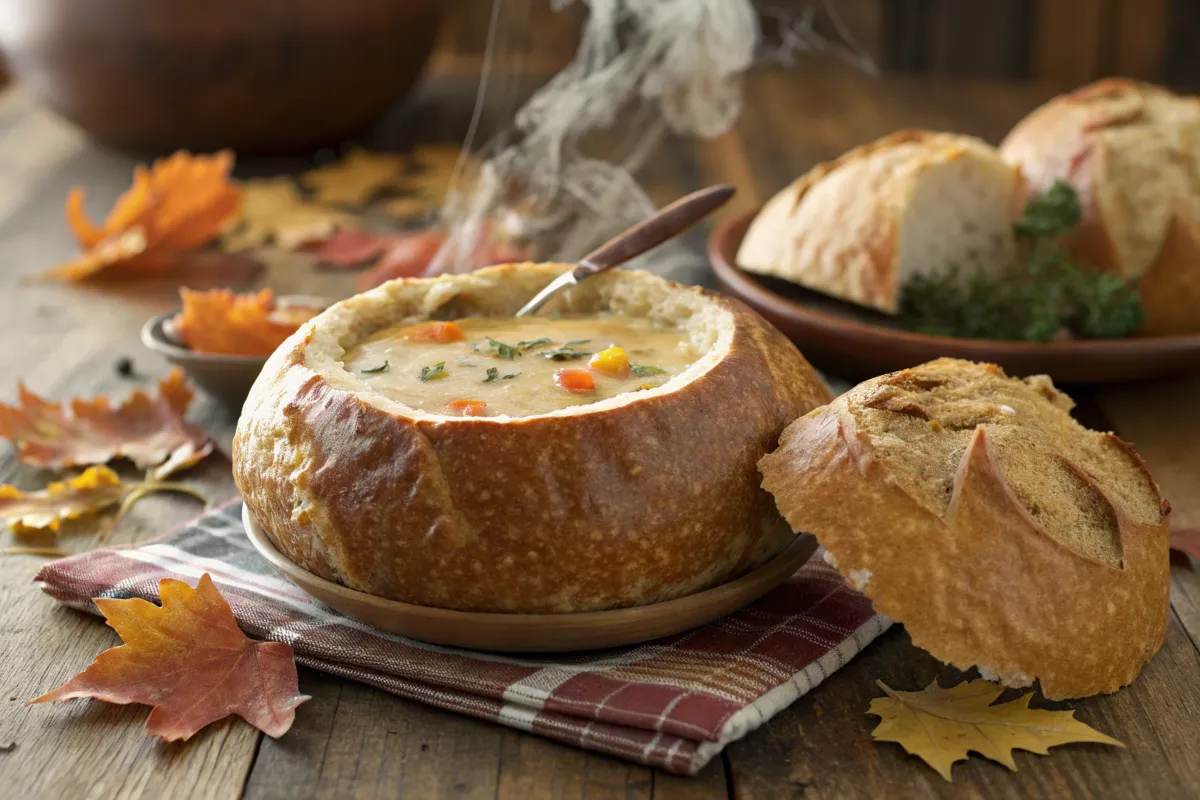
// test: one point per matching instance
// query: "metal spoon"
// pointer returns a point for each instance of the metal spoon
(649, 233)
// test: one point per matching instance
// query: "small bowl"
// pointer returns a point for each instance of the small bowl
(226, 378)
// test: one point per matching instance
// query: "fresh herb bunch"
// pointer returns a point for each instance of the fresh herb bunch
(1036, 299)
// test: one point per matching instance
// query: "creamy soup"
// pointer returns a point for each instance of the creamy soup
(485, 366)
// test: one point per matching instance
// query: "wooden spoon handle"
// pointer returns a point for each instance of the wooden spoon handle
(653, 231)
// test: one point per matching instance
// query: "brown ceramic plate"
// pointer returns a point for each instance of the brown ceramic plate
(226, 378)
(855, 342)
(540, 633)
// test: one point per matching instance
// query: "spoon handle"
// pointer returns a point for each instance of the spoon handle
(653, 231)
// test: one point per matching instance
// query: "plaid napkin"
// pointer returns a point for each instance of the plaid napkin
(672, 703)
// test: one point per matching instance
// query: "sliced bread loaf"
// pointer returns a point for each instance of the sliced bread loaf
(971, 507)
(913, 202)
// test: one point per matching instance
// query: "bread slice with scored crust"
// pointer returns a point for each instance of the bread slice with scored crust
(911, 203)
(972, 508)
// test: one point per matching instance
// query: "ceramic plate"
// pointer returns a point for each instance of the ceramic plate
(855, 342)
(540, 633)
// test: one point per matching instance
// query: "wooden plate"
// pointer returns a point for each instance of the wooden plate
(539, 633)
(855, 342)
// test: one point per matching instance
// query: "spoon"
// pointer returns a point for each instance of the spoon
(647, 234)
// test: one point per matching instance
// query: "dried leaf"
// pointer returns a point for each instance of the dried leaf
(149, 431)
(189, 660)
(273, 211)
(96, 489)
(420, 253)
(93, 491)
(1186, 541)
(425, 188)
(218, 321)
(346, 249)
(941, 726)
(47, 552)
(179, 203)
(357, 178)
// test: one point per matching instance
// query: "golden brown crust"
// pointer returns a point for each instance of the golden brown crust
(636, 503)
(983, 584)
(1127, 148)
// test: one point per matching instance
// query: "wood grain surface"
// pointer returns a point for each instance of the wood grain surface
(355, 741)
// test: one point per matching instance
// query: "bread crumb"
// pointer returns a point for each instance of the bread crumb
(859, 578)
(1009, 410)
(830, 559)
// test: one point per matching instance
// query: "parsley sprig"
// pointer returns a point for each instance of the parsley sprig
(1044, 294)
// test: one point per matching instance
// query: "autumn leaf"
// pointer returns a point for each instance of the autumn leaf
(346, 249)
(189, 660)
(178, 204)
(96, 489)
(356, 178)
(941, 726)
(419, 253)
(149, 431)
(424, 189)
(219, 321)
(1186, 541)
(272, 211)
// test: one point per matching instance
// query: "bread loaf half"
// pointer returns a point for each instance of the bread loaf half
(1131, 152)
(858, 227)
(971, 507)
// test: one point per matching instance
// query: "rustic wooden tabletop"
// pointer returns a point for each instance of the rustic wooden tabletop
(355, 741)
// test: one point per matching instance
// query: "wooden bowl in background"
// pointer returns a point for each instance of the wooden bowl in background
(855, 342)
(254, 75)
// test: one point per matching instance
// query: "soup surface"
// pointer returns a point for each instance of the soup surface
(487, 366)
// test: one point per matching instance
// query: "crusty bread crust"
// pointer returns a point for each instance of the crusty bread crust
(982, 583)
(632, 500)
(1130, 151)
(842, 227)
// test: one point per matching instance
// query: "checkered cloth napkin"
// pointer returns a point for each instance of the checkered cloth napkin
(672, 703)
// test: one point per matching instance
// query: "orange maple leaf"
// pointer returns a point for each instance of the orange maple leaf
(189, 660)
(149, 431)
(219, 321)
(179, 203)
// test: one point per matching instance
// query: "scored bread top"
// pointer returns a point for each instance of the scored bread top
(972, 508)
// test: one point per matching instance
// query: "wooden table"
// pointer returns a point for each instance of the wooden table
(355, 741)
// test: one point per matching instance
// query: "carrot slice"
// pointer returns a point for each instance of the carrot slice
(439, 332)
(579, 381)
(611, 360)
(467, 408)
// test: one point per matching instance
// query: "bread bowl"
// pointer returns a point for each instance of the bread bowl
(972, 508)
(1130, 151)
(631, 499)
(861, 225)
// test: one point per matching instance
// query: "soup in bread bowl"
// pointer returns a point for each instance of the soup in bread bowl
(419, 443)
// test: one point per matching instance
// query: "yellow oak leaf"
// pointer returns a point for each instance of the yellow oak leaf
(424, 189)
(355, 179)
(272, 210)
(941, 726)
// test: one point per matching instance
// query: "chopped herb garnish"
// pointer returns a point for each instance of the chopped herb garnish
(645, 370)
(374, 370)
(574, 342)
(493, 374)
(438, 370)
(499, 349)
(566, 352)
(523, 346)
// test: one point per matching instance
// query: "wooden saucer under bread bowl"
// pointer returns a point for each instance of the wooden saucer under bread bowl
(540, 633)
(855, 342)
(352, 455)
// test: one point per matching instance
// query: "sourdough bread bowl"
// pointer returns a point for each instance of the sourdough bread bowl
(1130, 150)
(633, 499)
(860, 226)
(972, 508)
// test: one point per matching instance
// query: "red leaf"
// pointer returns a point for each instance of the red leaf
(410, 255)
(1186, 541)
(347, 249)
(189, 660)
